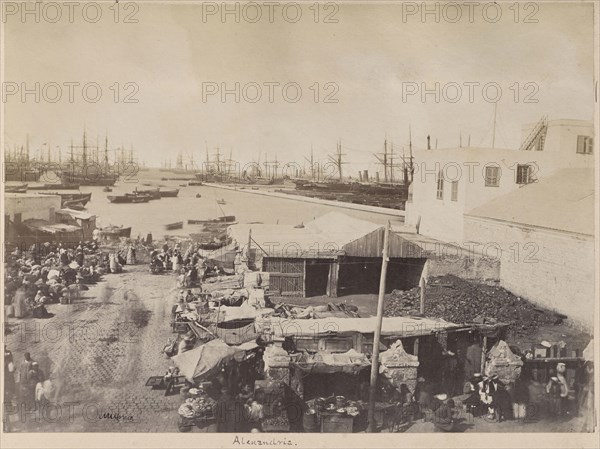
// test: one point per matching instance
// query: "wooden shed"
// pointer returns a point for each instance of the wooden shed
(332, 255)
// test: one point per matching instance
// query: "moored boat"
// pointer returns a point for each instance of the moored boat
(171, 226)
(153, 193)
(107, 189)
(115, 231)
(223, 219)
(128, 198)
(16, 189)
(73, 204)
(169, 193)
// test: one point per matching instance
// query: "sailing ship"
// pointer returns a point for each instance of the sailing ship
(86, 171)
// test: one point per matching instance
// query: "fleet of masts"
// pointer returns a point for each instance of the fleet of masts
(220, 163)
(83, 154)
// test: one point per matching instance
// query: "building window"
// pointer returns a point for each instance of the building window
(492, 176)
(440, 186)
(584, 144)
(454, 191)
(523, 174)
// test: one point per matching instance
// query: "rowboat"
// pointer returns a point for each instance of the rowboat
(115, 231)
(57, 186)
(73, 204)
(224, 219)
(16, 189)
(221, 201)
(195, 183)
(107, 189)
(73, 198)
(169, 193)
(128, 198)
(171, 226)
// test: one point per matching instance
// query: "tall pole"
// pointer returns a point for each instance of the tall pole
(377, 334)
(494, 129)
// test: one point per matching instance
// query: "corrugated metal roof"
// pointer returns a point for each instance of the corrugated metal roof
(563, 201)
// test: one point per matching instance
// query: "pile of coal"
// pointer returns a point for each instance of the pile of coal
(461, 301)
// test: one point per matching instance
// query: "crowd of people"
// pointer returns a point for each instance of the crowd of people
(52, 272)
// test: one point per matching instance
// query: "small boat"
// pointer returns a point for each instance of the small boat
(154, 194)
(60, 186)
(128, 198)
(73, 198)
(107, 189)
(73, 204)
(198, 195)
(169, 193)
(115, 231)
(182, 185)
(221, 201)
(171, 226)
(16, 189)
(224, 219)
(195, 183)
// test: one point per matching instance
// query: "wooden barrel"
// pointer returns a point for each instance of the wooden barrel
(309, 422)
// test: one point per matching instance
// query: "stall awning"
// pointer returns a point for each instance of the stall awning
(203, 362)
(394, 326)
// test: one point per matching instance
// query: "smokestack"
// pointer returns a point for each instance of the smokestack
(360, 176)
(366, 176)
(377, 176)
(428, 143)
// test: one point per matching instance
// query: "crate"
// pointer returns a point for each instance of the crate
(336, 424)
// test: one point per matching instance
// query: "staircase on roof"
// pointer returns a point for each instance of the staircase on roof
(537, 135)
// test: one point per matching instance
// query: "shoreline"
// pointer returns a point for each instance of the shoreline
(399, 214)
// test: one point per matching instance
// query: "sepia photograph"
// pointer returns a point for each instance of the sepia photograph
(265, 221)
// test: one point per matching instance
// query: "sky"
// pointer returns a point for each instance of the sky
(374, 62)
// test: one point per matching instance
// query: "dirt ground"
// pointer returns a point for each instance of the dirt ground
(98, 353)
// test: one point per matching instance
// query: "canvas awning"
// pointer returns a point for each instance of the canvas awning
(203, 362)
(394, 326)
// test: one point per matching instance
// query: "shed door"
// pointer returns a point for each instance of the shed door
(286, 275)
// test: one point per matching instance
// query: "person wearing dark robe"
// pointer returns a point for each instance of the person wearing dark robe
(9, 375)
(501, 401)
(227, 411)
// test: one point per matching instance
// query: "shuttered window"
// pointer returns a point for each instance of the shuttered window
(585, 144)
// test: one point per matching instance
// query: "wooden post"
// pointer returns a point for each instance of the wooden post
(423, 286)
(249, 246)
(377, 334)
(483, 352)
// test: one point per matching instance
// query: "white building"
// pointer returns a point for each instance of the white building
(544, 237)
(448, 183)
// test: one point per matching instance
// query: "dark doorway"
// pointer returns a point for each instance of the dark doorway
(360, 275)
(317, 273)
